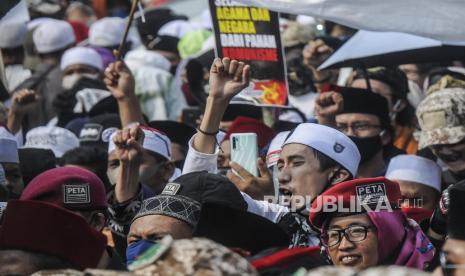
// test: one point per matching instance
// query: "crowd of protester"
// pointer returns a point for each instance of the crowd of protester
(123, 166)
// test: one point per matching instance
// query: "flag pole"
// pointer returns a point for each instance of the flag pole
(126, 31)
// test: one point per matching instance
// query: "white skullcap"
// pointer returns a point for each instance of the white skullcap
(8, 147)
(12, 34)
(276, 146)
(329, 141)
(143, 57)
(154, 141)
(107, 32)
(177, 28)
(57, 139)
(53, 35)
(415, 169)
(81, 55)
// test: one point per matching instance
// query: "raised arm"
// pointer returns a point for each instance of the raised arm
(327, 106)
(22, 102)
(120, 82)
(227, 79)
(129, 150)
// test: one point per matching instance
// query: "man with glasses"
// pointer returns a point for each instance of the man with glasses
(364, 117)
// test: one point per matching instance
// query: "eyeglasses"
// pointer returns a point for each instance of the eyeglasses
(356, 127)
(355, 233)
(448, 268)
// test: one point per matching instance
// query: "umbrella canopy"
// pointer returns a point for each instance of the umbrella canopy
(371, 49)
(428, 18)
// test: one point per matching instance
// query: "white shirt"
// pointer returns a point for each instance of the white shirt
(198, 161)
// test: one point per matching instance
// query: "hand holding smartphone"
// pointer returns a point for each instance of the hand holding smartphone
(244, 151)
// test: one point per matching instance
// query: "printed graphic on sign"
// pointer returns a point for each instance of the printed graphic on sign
(251, 34)
(371, 193)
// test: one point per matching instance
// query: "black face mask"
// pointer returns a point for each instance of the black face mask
(368, 147)
(179, 164)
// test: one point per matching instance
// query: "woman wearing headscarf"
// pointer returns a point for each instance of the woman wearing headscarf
(362, 226)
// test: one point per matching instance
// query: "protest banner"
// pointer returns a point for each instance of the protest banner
(251, 35)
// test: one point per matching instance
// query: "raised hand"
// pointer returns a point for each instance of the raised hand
(119, 80)
(327, 106)
(315, 53)
(255, 187)
(228, 78)
(121, 83)
(23, 101)
(129, 150)
(128, 144)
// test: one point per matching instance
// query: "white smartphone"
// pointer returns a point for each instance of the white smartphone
(244, 151)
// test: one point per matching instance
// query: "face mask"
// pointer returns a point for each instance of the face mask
(368, 147)
(136, 249)
(112, 176)
(70, 80)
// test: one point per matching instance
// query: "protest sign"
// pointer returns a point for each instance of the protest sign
(251, 34)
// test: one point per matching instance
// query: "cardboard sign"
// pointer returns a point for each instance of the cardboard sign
(251, 35)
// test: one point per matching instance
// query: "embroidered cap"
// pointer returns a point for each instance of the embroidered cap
(175, 206)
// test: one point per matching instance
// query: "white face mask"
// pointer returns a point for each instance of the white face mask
(112, 176)
(70, 80)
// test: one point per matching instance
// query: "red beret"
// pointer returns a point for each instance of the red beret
(72, 188)
(245, 124)
(45, 228)
(355, 196)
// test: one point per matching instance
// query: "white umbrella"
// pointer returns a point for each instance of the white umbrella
(429, 18)
(370, 49)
